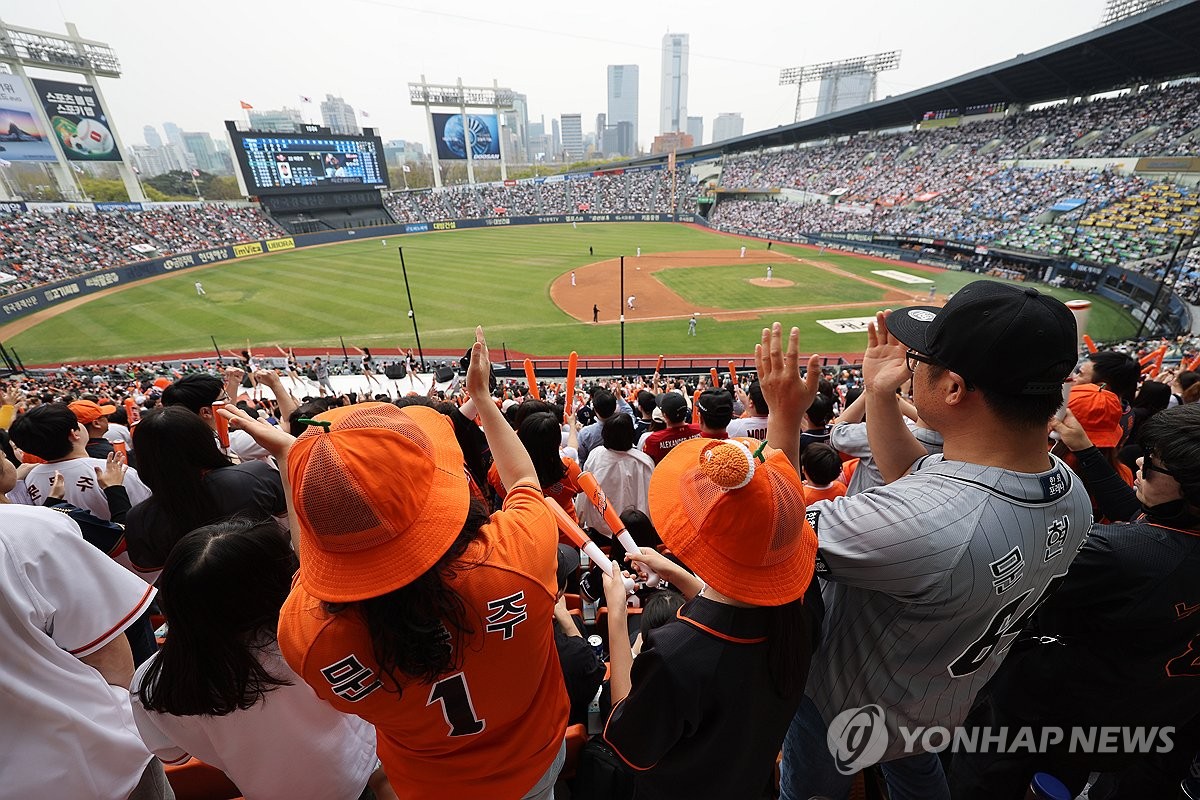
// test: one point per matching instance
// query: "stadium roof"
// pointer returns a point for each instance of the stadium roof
(1157, 45)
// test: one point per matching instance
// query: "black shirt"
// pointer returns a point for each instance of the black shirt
(99, 448)
(582, 670)
(252, 489)
(702, 719)
(1127, 617)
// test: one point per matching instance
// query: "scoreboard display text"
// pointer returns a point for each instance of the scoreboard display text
(289, 163)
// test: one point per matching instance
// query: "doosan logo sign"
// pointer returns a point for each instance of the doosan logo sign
(857, 738)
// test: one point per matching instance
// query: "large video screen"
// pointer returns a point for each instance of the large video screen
(306, 162)
(482, 134)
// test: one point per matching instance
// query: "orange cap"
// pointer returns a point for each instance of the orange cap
(1099, 412)
(379, 498)
(88, 411)
(737, 521)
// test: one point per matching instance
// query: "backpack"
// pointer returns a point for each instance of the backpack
(601, 775)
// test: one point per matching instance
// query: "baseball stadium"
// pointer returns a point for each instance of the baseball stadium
(1031, 229)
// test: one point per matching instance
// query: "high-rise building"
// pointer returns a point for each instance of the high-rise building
(338, 116)
(150, 134)
(556, 138)
(281, 120)
(695, 128)
(203, 151)
(572, 136)
(623, 100)
(399, 152)
(727, 126)
(516, 124)
(673, 94)
(174, 135)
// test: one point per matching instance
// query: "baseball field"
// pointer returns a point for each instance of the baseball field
(517, 282)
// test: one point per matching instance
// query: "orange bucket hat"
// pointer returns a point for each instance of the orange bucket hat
(1099, 412)
(736, 520)
(379, 497)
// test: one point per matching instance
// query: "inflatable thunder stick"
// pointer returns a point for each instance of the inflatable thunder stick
(587, 482)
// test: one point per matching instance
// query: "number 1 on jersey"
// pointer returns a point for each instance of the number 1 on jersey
(457, 707)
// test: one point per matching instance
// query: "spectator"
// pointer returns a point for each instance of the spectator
(716, 411)
(194, 484)
(754, 422)
(52, 433)
(220, 691)
(582, 669)
(407, 585)
(622, 471)
(820, 468)
(674, 410)
(68, 724)
(94, 418)
(958, 544)
(197, 393)
(605, 403)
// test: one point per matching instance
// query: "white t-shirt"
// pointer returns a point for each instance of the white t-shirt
(82, 487)
(290, 744)
(753, 427)
(63, 727)
(242, 445)
(119, 433)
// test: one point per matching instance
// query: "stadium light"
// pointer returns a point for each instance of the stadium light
(860, 65)
(1117, 10)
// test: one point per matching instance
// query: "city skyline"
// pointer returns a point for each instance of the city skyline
(196, 69)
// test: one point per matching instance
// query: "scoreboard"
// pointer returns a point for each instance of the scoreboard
(289, 163)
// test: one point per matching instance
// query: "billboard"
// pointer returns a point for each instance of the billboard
(22, 137)
(77, 120)
(308, 162)
(483, 134)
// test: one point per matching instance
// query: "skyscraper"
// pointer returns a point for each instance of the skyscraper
(556, 138)
(572, 135)
(150, 134)
(174, 135)
(695, 128)
(727, 126)
(338, 116)
(673, 94)
(623, 99)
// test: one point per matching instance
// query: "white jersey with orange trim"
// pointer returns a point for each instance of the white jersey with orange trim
(929, 579)
(63, 726)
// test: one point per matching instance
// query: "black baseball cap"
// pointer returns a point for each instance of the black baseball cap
(1008, 339)
(674, 407)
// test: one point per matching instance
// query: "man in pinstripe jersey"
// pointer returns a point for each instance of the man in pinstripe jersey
(928, 579)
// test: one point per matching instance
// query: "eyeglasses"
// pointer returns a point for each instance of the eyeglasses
(1147, 465)
(913, 356)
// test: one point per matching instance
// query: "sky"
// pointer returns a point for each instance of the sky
(191, 63)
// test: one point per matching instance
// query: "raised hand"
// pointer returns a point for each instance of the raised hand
(885, 367)
(779, 371)
(113, 473)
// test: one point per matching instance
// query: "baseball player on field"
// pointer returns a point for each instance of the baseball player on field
(929, 578)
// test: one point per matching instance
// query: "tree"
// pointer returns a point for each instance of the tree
(222, 187)
(102, 190)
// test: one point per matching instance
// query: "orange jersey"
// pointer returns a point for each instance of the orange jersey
(831, 492)
(562, 492)
(494, 725)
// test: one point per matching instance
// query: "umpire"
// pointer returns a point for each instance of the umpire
(930, 577)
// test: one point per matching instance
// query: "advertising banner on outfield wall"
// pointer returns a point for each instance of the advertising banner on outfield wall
(78, 120)
(482, 135)
(22, 136)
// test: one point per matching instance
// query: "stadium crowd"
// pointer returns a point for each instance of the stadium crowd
(253, 589)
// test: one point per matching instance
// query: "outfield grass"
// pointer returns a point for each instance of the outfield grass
(498, 277)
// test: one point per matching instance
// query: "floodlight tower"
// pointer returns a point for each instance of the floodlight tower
(861, 73)
(26, 47)
(1116, 10)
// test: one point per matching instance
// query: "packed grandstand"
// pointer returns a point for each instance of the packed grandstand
(971, 183)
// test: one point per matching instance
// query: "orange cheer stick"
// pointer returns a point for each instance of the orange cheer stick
(733, 373)
(531, 378)
(696, 407)
(582, 540)
(716, 378)
(659, 367)
(587, 482)
(132, 412)
(1153, 354)
(1091, 346)
(222, 424)
(1194, 364)
(572, 365)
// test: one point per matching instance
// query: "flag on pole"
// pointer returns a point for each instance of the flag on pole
(4, 163)
(406, 168)
(195, 173)
(305, 99)
(365, 114)
(245, 105)
(136, 171)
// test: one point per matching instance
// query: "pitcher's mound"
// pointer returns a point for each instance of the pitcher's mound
(774, 283)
